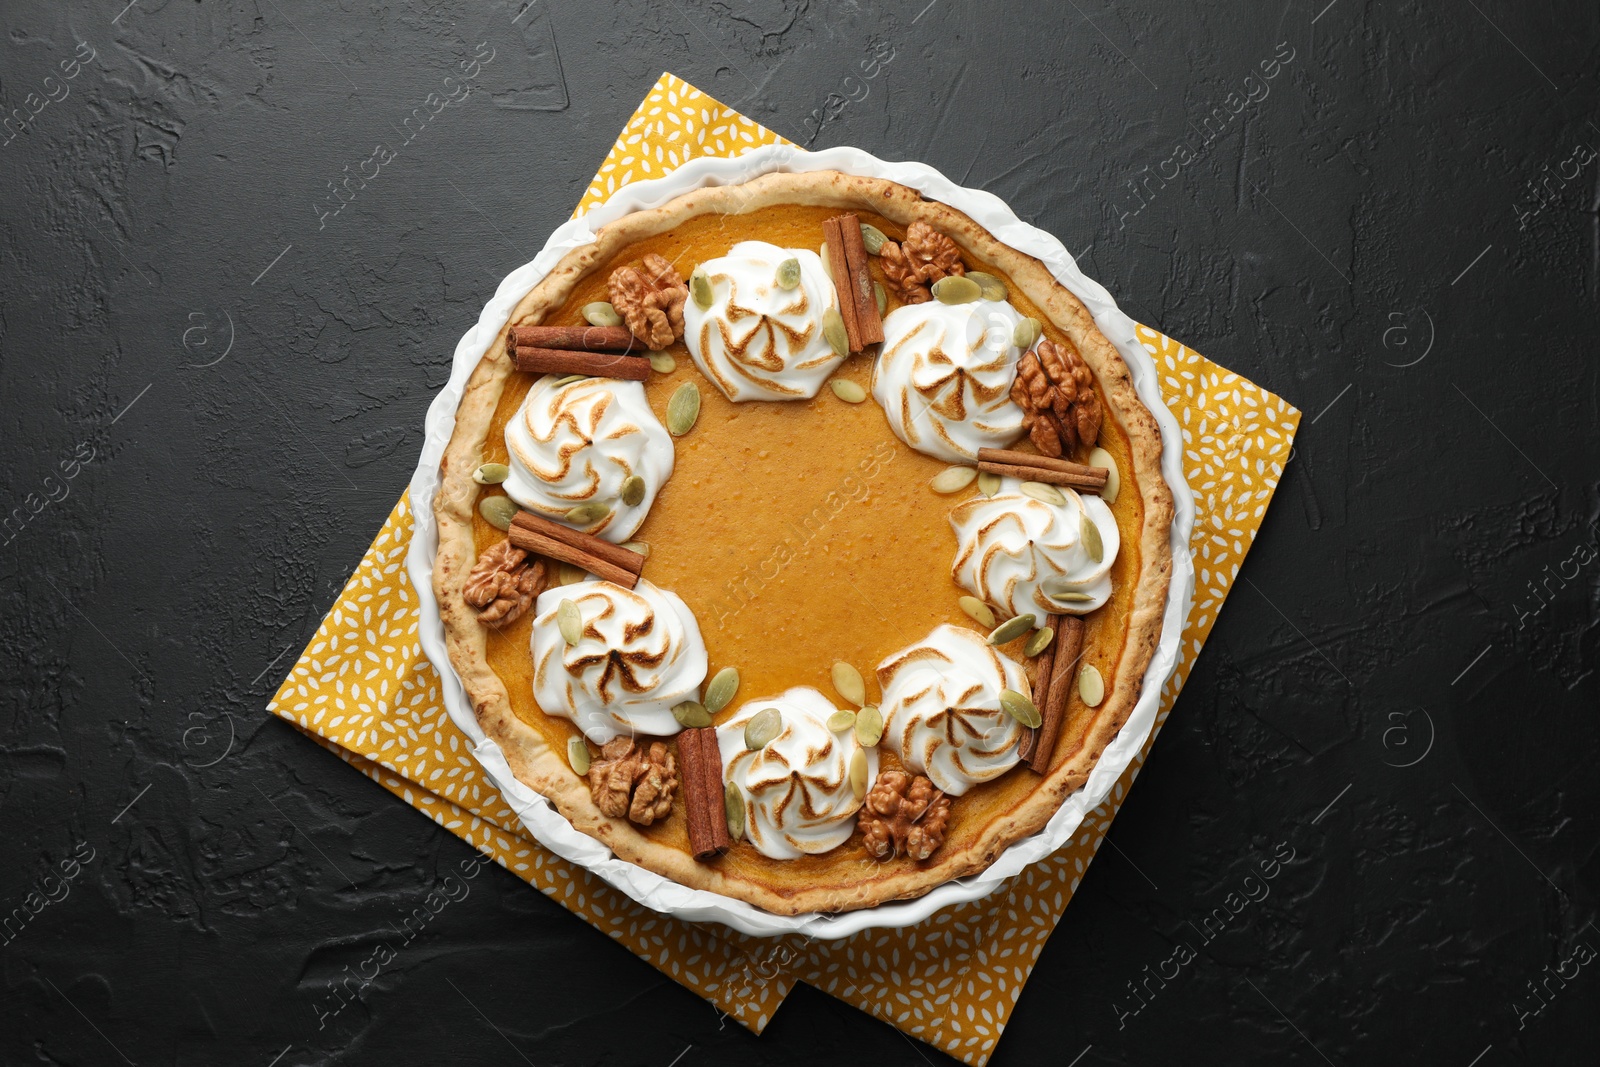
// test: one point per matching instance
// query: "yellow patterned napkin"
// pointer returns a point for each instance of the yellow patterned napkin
(363, 689)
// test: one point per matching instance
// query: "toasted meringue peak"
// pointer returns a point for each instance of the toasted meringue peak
(576, 443)
(1026, 556)
(639, 654)
(944, 374)
(757, 340)
(942, 712)
(796, 787)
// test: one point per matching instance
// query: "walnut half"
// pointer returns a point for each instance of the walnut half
(903, 815)
(503, 583)
(633, 782)
(1055, 390)
(650, 300)
(924, 257)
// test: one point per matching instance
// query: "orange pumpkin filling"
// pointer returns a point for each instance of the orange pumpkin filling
(803, 532)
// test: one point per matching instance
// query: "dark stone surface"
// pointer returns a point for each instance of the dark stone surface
(1401, 238)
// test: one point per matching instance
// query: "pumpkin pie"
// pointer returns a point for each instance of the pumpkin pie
(813, 573)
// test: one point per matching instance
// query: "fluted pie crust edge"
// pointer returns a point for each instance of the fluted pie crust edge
(538, 765)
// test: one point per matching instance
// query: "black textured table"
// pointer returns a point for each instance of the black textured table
(217, 348)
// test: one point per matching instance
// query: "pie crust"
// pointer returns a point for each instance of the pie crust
(851, 880)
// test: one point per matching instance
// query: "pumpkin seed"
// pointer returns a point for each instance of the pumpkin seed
(498, 511)
(700, 288)
(1091, 687)
(683, 409)
(601, 313)
(841, 720)
(834, 333)
(991, 287)
(789, 273)
(568, 379)
(869, 726)
(662, 362)
(1060, 590)
(1045, 492)
(569, 620)
(847, 680)
(733, 809)
(858, 773)
(1026, 333)
(762, 728)
(978, 610)
(873, 238)
(633, 490)
(1091, 538)
(1012, 629)
(578, 755)
(827, 267)
(1020, 708)
(491, 474)
(570, 574)
(953, 479)
(719, 694)
(956, 289)
(988, 484)
(641, 547)
(848, 391)
(881, 295)
(587, 514)
(1039, 641)
(1101, 458)
(691, 714)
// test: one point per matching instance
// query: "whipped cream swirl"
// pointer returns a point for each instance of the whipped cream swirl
(941, 708)
(944, 374)
(640, 653)
(796, 788)
(1025, 556)
(577, 443)
(757, 340)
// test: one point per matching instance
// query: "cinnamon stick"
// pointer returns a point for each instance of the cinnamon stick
(856, 261)
(700, 760)
(575, 338)
(599, 364)
(534, 533)
(1033, 459)
(1042, 669)
(838, 266)
(626, 558)
(1063, 668)
(1086, 482)
(529, 541)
